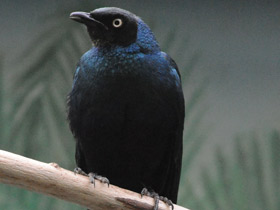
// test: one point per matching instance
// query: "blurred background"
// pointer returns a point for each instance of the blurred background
(228, 55)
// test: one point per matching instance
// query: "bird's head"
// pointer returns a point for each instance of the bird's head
(109, 25)
(115, 26)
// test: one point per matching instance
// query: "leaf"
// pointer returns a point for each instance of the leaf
(274, 146)
(239, 181)
(195, 98)
(258, 174)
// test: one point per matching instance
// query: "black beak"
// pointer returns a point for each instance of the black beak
(85, 18)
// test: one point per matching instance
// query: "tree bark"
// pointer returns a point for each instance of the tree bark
(52, 180)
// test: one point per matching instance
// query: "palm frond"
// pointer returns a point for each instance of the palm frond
(2, 129)
(274, 146)
(5, 122)
(247, 180)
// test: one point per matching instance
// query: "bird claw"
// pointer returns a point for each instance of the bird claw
(157, 198)
(167, 201)
(92, 176)
(78, 170)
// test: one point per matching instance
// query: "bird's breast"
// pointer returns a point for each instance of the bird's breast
(124, 72)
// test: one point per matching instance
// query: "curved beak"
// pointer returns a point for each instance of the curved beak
(85, 18)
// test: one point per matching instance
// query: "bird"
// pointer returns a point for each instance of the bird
(126, 106)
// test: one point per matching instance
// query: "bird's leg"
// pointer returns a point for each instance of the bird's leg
(157, 198)
(92, 176)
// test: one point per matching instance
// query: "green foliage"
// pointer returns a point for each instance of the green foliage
(14, 198)
(249, 179)
(2, 129)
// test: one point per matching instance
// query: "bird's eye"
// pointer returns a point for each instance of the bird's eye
(117, 23)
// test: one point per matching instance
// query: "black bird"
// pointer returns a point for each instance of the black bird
(126, 107)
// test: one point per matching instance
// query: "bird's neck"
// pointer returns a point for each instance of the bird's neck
(146, 39)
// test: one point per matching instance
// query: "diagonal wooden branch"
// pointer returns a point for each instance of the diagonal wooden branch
(52, 180)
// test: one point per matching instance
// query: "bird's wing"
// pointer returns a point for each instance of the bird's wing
(172, 63)
(75, 77)
(73, 103)
(174, 176)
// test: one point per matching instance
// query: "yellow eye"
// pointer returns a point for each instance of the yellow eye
(117, 23)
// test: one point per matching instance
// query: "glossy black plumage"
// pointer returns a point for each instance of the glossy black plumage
(126, 107)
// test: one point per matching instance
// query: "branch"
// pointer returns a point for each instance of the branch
(50, 179)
